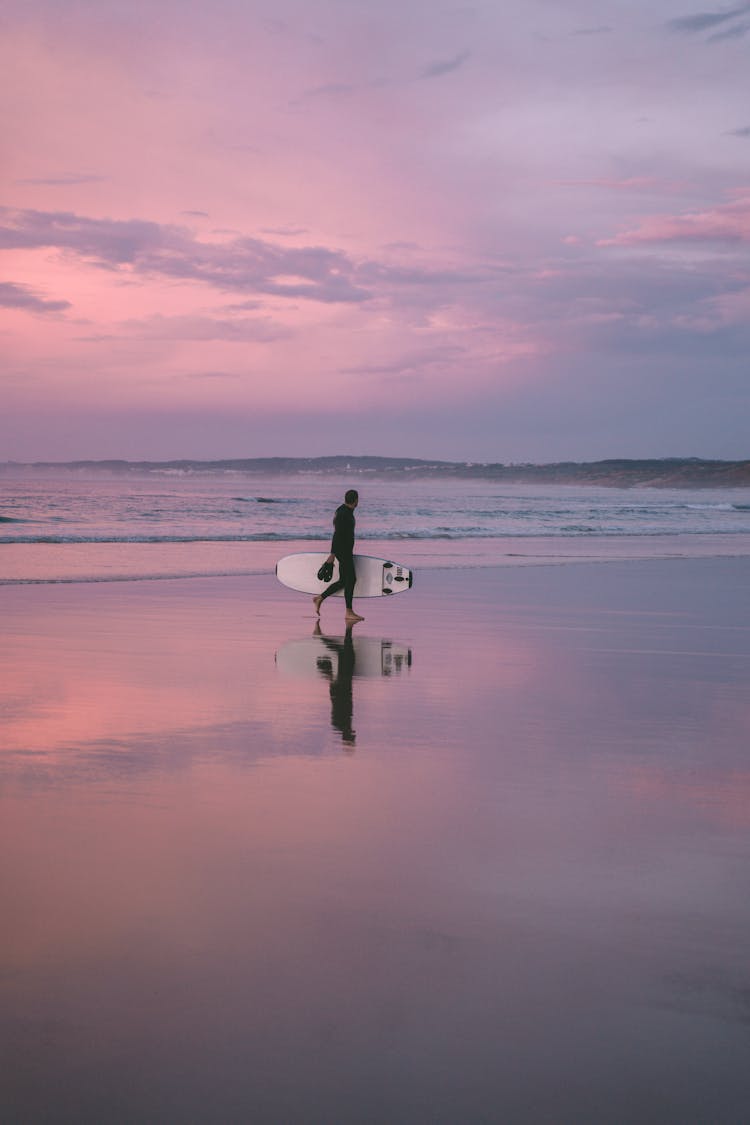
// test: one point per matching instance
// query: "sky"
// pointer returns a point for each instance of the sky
(515, 230)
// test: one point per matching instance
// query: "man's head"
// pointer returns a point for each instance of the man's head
(352, 498)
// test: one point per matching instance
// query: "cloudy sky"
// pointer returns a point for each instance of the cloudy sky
(498, 230)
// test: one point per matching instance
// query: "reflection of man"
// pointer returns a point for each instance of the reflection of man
(342, 548)
(340, 685)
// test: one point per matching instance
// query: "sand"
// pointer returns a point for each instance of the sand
(486, 862)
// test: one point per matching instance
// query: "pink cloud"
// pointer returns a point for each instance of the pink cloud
(652, 184)
(729, 222)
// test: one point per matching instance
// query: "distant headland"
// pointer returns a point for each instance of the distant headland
(669, 472)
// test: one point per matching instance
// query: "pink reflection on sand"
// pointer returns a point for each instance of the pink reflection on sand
(88, 664)
(721, 798)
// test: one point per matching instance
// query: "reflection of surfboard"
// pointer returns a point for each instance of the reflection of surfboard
(312, 657)
(375, 577)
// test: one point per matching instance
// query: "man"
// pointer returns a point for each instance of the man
(342, 548)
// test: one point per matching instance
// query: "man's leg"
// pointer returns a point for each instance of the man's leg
(349, 577)
(346, 581)
(332, 589)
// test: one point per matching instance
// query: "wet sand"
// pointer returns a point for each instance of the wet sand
(484, 860)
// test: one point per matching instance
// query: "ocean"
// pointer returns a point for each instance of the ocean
(83, 525)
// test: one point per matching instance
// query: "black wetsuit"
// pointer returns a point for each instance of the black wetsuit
(342, 546)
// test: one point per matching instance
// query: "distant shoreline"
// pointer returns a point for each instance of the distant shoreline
(670, 472)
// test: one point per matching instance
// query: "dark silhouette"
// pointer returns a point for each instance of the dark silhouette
(340, 685)
(342, 548)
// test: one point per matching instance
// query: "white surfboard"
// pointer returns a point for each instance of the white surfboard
(313, 657)
(375, 577)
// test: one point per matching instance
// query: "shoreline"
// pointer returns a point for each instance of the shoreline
(42, 563)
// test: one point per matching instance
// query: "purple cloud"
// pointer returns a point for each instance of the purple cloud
(445, 66)
(285, 232)
(705, 21)
(739, 31)
(147, 248)
(69, 180)
(412, 364)
(20, 297)
(601, 29)
(232, 375)
(238, 265)
(201, 328)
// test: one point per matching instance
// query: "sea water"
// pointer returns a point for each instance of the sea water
(83, 525)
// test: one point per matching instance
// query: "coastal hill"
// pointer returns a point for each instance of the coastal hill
(673, 472)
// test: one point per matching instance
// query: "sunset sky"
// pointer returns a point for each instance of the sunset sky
(514, 230)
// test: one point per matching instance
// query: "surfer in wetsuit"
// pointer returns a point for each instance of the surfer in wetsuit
(342, 548)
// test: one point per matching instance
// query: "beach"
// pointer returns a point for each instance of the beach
(484, 860)
(457, 293)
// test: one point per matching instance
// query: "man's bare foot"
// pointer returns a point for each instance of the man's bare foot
(317, 601)
(352, 618)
